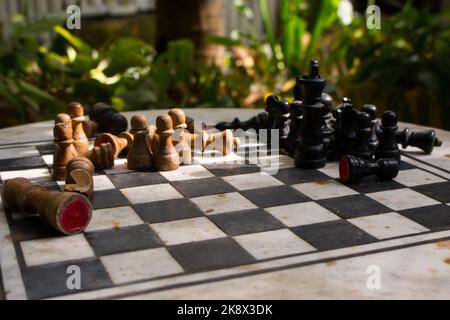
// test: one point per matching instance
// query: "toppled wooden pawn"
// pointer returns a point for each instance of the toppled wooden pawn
(140, 155)
(80, 140)
(80, 176)
(181, 137)
(64, 151)
(67, 212)
(102, 156)
(166, 157)
(120, 143)
(223, 141)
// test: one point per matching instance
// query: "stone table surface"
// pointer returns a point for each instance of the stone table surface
(416, 267)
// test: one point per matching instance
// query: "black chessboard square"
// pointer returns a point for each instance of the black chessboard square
(224, 170)
(333, 235)
(109, 199)
(353, 206)
(374, 184)
(44, 149)
(405, 166)
(136, 179)
(434, 218)
(31, 228)
(274, 196)
(437, 191)
(126, 239)
(51, 279)
(296, 175)
(168, 210)
(210, 254)
(247, 221)
(22, 163)
(203, 187)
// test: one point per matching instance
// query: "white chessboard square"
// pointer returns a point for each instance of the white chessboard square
(34, 175)
(331, 169)
(22, 152)
(299, 214)
(215, 157)
(188, 172)
(138, 265)
(51, 250)
(151, 193)
(48, 159)
(223, 202)
(270, 244)
(279, 161)
(416, 177)
(187, 230)
(252, 181)
(387, 225)
(324, 189)
(112, 218)
(402, 199)
(102, 182)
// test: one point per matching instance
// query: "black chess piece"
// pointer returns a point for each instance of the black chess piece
(388, 148)
(372, 111)
(260, 121)
(279, 120)
(329, 140)
(109, 119)
(425, 140)
(348, 121)
(309, 152)
(361, 148)
(353, 169)
(296, 115)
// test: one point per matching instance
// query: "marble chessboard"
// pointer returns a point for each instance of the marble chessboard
(207, 222)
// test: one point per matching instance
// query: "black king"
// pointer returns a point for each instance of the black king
(309, 152)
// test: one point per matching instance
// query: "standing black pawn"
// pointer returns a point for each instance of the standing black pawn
(309, 152)
(329, 143)
(361, 148)
(353, 169)
(372, 111)
(425, 140)
(295, 111)
(388, 147)
(281, 121)
(348, 133)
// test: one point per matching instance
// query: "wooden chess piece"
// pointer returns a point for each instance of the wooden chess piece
(64, 150)
(80, 140)
(80, 176)
(140, 155)
(181, 138)
(109, 120)
(67, 212)
(102, 156)
(195, 126)
(166, 157)
(223, 141)
(120, 143)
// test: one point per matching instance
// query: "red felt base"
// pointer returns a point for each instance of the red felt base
(75, 216)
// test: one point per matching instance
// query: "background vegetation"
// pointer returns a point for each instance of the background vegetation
(404, 66)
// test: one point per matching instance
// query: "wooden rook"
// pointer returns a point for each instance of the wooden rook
(140, 155)
(166, 157)
(67, 212)
(80, 140)
(80, 176)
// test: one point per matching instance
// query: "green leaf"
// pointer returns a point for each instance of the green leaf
(76, 42)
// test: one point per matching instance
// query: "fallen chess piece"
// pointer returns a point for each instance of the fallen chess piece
(224, 142)
(67, 212)
(109, 120)
(120, 143)
(80, 176)
(424, 140)
(353, 169)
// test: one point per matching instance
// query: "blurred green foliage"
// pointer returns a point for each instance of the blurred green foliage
(404, 66)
